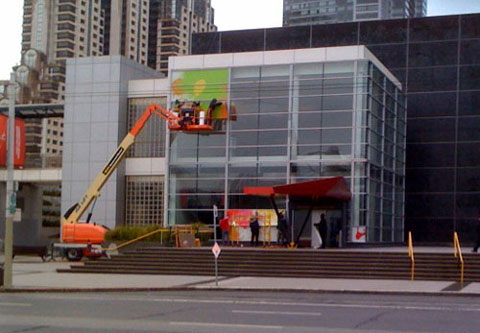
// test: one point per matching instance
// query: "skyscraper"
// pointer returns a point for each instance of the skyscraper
(172, 23)
(302, 12)
(146, 31)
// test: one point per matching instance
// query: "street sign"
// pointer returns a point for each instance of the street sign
(216, 250)
(13, 203)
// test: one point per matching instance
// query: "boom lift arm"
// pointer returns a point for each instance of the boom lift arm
(75, 212)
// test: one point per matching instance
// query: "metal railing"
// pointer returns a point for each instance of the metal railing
(457, 252)
(136, 239)
(411, 256)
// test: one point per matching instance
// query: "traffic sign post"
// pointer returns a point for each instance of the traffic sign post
(215, 248)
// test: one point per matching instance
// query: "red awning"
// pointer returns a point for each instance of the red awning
(331, 188)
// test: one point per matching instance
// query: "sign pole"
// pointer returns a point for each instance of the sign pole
(10, 194)
(215, 214)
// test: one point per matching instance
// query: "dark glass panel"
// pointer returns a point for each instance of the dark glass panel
(340, 102)
(429, 180)
(245, 90)
(288, 38)
(383, 32)
(237, 185)
(401, 75)
(200, 186)
(338, 86)
(211, 140)
(244, 138)
(466, 229)
(242, 171)
(310, 119)
(470, 26)
(273, 137)
(248, 202)
(470, 52)
(468, 180)
(433, 54)
(335, 35)
(432, 79)
(246, 106)
(467, 205)
(325, 119)
(392, 56)
(280, 152)
(309, 103)
(467, 154)
(469, 129)
(273, 121)
(430, 230)
(244, 122)
(183, 171)
(193, 201)
(279, 87)
(270, 105)
(429, 205)
(435, 104)
(206, 43)
(245, 151)
(242, 41)
(433, 28)
(469, 103)
(431, 130)
(469, 77)
(430, 155)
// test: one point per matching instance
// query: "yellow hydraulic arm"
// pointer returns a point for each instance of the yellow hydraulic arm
(75, 212)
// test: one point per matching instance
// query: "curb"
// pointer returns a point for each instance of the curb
(222, 289)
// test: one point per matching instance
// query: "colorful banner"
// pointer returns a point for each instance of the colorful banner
(241, 217)
(202, 86)
(19, 146)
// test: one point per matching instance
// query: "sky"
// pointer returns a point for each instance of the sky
(229, 15)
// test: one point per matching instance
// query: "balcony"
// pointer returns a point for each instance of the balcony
(66, 17)
(66, 8)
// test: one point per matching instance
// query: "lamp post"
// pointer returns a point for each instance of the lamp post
(10, 195)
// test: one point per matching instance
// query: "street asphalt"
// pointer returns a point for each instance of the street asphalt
(31, 274)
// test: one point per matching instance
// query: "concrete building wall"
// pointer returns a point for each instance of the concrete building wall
(95, 123)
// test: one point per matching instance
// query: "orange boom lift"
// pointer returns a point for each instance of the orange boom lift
(80, 239)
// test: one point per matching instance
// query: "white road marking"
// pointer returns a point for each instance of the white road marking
(358, 305)
(186, 323)
(15, 304)
(278, 313)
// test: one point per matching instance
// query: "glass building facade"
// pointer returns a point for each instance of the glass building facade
(304, 12)
(296, 122)
(437, 60)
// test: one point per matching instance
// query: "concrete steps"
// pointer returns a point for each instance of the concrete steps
(355, 264)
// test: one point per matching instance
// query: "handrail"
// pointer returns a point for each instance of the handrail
(411, 256)
(457, 252)
(135, 240)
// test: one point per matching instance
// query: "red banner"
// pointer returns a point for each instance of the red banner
(19, 149)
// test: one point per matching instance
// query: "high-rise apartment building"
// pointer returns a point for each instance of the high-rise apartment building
(145, 31)
(302, 12)
(52, 32)
(172, 23)
(126, 28)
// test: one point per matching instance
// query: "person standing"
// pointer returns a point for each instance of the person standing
(322, 229)
(225, 226)
(255, 230)
(282, 227)
(477, 244)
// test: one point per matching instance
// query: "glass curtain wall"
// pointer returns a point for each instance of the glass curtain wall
(296, 123)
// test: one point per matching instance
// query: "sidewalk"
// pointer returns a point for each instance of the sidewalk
(31, 274)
